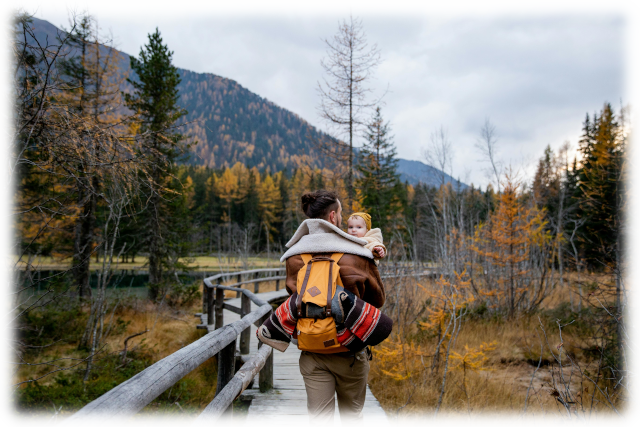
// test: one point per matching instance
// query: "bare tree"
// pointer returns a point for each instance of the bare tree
(93, 95)
(57, 151)
(95, 333)
(344, 93)
(487, 146)
(439, 153)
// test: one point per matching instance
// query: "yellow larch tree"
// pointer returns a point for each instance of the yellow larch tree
(512, 249)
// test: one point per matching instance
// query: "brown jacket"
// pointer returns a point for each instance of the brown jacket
(358, 275)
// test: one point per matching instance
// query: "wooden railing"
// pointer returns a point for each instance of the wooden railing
(134, 394)
(137, 392)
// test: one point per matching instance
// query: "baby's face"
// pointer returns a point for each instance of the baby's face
(356, 226)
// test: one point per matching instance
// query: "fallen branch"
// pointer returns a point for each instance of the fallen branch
(126, 341)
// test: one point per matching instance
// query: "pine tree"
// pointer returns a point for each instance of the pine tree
(377, 166)
(601, 197)
(154, 100)
(600, 187)
(250, 200)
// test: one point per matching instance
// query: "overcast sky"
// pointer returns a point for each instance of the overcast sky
(535, 75)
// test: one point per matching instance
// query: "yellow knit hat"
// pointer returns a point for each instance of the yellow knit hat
(365, 216)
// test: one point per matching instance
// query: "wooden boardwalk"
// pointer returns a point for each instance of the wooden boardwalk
(288, 397)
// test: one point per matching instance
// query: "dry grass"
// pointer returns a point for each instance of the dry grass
(402, 381)
(224, 263)
(499, 386)
(169, 330)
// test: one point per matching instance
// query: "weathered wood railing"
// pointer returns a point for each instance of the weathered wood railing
(134, 394)
(137, 392)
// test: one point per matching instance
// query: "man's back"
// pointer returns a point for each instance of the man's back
(358, 274)
(341, 374)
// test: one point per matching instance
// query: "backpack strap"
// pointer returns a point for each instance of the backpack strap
(306, 258)
(334, 259)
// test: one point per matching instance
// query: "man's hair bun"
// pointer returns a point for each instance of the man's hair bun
(307, 199)
(319, 203)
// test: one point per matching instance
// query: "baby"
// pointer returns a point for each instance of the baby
(359, 225)
(358, 323)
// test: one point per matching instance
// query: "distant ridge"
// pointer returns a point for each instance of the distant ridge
(414, 171)
(233, 124)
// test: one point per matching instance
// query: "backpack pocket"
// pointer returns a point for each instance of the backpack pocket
(318, 336)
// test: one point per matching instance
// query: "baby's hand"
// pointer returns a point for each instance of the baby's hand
(379, 250)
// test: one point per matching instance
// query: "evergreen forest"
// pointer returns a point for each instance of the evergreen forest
(124, 163)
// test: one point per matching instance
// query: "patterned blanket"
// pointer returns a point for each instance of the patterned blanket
(358, 323)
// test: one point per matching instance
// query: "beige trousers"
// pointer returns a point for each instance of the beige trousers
(326, 375)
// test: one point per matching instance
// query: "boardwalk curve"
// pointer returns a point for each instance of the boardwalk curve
(288, 396)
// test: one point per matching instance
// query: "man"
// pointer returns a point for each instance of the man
(344, 374)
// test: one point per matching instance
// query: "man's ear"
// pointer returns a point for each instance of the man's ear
(332, 217)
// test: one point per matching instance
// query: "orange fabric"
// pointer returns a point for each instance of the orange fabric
(359, 275)
(316, 284)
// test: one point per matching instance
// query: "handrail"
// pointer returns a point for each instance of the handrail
(219, 276)
(134, 394)
(237, 385)
(140, 390)
(212, 300)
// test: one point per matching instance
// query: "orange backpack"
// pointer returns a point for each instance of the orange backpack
(317, 282)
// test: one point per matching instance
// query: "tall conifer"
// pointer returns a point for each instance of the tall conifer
(154, 100)
(601, 198)
(377, 166)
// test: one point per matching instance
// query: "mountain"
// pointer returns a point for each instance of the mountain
(233, 124)
(414, 171)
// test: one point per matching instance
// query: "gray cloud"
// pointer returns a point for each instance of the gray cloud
(535, 76)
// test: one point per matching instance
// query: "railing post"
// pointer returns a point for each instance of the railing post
(205, 302)
(256, 286)
(265, 380)
(278, 285)
(245, 336)
(226, 368)
(219, 306)
(210, 305)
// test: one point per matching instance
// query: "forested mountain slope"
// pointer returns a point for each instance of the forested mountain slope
(233, 124)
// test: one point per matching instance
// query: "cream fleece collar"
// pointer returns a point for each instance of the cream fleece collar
(319, 236)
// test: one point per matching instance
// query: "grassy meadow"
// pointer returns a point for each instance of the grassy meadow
(207, 263)
(489, 370)
(499, 364)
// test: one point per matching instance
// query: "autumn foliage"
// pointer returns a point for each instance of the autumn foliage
(511, 264)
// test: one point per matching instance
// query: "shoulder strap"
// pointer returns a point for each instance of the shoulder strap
(334, 259)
